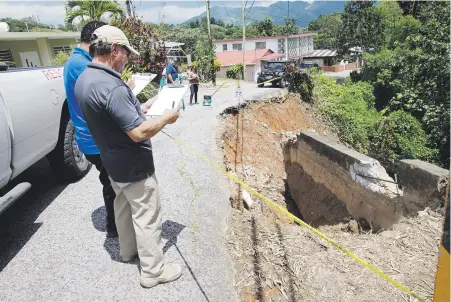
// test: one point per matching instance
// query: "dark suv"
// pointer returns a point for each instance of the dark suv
(274, 73)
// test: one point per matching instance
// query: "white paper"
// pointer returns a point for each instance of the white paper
(141, 81)
(167, 98)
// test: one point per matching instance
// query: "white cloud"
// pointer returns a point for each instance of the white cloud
(170, 13)
(48, 14)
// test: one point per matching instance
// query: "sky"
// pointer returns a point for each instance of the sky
(169, 11)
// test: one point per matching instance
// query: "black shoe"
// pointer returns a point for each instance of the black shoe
(111, 234)
(196, 103)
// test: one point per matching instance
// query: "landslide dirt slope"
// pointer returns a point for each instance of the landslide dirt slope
(276, 260)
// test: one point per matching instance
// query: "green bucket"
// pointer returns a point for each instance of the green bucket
(207, 100)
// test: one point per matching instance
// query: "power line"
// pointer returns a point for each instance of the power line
(249, 9)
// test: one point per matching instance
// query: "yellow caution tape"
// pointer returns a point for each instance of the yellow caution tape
(299, 221)
(269, 81)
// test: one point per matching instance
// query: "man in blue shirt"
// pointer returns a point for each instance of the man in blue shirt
(171, 72)
(74, 66)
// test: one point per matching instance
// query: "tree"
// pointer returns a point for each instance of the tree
(290, 26)
(412, 73)
(265, 27)
(152, 56)
(92, 9)
(328, 29)
(25, 24)
(362, 27)
(205, 54)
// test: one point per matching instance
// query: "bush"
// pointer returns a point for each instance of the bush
(299, 81)
(399, 136)
(235, 72)
(60, 58)
(205, 54)
(347, 108)
(218, 65)
(152, 56)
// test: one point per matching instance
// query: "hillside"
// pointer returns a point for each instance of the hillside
(302, 11)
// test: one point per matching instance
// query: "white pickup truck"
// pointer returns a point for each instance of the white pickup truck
(35, 123)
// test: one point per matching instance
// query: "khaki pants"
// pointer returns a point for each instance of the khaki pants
(137, 211)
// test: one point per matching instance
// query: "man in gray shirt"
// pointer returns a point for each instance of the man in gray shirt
(122, 134)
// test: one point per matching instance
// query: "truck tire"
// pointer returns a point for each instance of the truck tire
(66, 160)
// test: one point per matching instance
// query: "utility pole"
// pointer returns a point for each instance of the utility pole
(286, 28)
(243, 8)
(213, 71)
(128, 4)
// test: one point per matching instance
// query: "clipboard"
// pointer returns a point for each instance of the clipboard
(167, 98)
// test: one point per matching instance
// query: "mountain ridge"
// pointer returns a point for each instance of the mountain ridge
(302, 11)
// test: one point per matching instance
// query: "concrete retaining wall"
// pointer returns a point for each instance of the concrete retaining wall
(329, 182)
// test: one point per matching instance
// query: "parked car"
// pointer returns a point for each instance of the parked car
(274, 73)
(308, 65)
(35, 123)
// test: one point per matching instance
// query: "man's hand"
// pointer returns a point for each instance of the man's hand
(130, 83)
(171, 116)
(144, 108)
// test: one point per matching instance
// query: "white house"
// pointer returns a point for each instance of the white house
(293, 46)
(26, 49)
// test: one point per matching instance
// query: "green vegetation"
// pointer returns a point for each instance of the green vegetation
(399, 135)
(92, 9)
(300, 82)
(398, 105)
(348, 108)
(327, 28)
(32, 25)
(235, 72)
(205, 55)
(60, 58)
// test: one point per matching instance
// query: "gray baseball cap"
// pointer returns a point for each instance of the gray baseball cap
(111, 34)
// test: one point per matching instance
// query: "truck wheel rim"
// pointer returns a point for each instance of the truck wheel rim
(79, 157)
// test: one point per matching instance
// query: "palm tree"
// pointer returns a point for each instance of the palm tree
(92, 9)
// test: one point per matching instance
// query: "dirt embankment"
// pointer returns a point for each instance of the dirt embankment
(276, 260)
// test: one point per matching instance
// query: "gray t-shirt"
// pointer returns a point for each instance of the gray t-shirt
(110, 108)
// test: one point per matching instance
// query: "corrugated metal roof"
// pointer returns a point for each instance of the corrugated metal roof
(321, 53)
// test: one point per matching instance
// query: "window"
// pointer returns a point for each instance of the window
(260, 45)
(64, 48)
(224, 47)
(237, 46)
(281, 45)
(5, 55)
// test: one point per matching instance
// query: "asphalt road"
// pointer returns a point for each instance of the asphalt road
(52, 241)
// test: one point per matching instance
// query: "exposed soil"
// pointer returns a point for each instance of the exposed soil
(277, 260)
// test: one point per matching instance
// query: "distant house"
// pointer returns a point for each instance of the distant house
(293, 46)
(26, 49)
(254, 60)
(322, 57)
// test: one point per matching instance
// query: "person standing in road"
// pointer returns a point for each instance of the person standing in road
(193, 79)
(122, 133)
(74, 66)
(171, 72)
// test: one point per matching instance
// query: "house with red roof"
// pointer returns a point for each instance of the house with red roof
(254, 60)
(261, 49)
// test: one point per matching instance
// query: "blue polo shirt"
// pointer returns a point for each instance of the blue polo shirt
(74, 66)
(170, 69)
